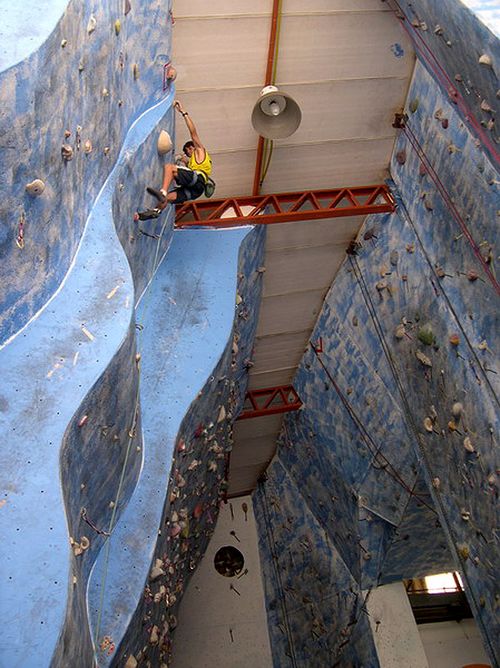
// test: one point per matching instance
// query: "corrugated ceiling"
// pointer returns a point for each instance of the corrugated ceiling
(348, 64)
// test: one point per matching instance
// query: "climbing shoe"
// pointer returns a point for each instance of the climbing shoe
(148, 214)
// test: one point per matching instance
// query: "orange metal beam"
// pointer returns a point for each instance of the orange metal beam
(270, 401)
(286, 207)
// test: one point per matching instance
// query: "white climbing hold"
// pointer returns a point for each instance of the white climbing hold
(486, 107)
(164, 143)
(423, 358)
(35, 188)
(468, 444)
(428, 425)
(91, 25)
(222, 414)
(63, 43)
(67, 152)
(399, 331)
(485, 59)
(105, 92)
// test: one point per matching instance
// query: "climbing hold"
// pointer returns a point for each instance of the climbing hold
(456, 409)
(486, 107)
(118, 26)
(135, 71)
(483, 345)
(464, 551)
(394, 257)
(105, 92)
(106, 150)
(91, 25)
(399, 332)
(423, 358)
(35, 188)
(81, 66)
(164, 143)
(426, 335)
(468, 445)
(472, 275)
(444, 123)
(414, 105)
(87, 147)
(485, 59)
(436, 483)
(453, 149)
(222, 415)
(83, 420)
(401, 157)
(438, 114)
(438, 30)
(428, 424)
(239, 299)
(63, 43)
(422, 170)
(427, 202)
(67, 152)
(465, 514)
(126, 10)
(454, 339)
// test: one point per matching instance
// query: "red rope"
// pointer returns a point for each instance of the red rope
(436, 67)
(451, 206)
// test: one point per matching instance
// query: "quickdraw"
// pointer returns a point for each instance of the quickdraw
(20, 231)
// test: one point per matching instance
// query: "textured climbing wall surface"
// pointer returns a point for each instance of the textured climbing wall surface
(99, 69)
(451, 41)
(194, 350)
(392, 463)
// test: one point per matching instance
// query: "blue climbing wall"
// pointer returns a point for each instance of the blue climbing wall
(118, 398)
(90, 78)
(390, 469)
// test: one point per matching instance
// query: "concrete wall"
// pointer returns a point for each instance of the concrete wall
(452, 644)
(227, 627)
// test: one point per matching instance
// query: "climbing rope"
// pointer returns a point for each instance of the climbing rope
(411, 423)
(131, 435)
(435, 66)
(449, 203)
(406, 215)
(367, 439)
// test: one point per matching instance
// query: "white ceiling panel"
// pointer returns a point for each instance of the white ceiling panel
(338, 109)
(313, 233)
(252, 451)
(301, 268)
(342, 45)
(328, 165)
(290, 312)
(220, 52)
(271, 378)
(257, 426)
(279, 351)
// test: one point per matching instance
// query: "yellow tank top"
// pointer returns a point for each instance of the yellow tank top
(205, 166)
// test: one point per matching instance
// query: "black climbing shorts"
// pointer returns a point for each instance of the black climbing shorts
(190, 185)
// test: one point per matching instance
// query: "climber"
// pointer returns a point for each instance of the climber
(192, 176)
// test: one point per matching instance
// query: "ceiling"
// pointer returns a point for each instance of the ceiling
(342, 62)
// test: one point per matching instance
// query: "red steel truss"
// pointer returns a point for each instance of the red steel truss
(269, 401)
(285, 207)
